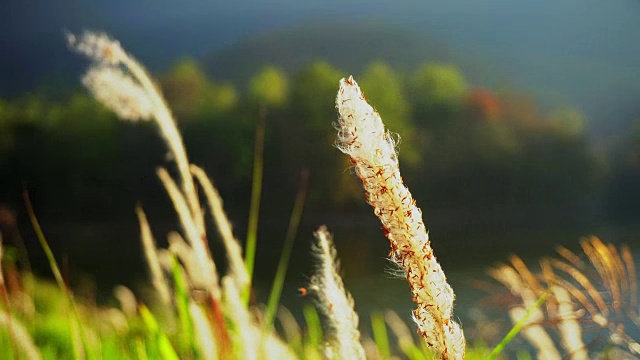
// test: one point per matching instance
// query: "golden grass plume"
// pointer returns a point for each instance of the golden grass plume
(362, 136)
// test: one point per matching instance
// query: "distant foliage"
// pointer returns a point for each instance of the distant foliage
(193, 96)
(269, 88)
(384, 88)
(437, 92)
(483, 105)
(466, 146)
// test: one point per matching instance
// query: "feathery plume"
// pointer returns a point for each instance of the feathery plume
(127, 300)
(133, 95)
(252, 342)
(240, 318)
(362, 136)
(157, 277)
(185, 253)
(568, 326)
(601, 291)
(118, 92)
(334, 301)
(204, 335)
(234, 252)
(99, 47)
(532, 330)
(199, 249)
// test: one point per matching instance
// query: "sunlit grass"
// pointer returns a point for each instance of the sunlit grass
(199, 311)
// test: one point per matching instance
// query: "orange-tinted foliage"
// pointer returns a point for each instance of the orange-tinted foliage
(484, 105)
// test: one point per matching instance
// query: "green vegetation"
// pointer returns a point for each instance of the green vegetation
(496, 149)
(466, 148)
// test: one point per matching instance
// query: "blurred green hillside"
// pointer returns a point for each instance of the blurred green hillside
(472, 155)
(461, 146)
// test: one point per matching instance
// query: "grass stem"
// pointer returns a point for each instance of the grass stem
(283, 264)
(254, 210)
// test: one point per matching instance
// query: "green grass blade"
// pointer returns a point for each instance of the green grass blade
(7, 345)
(314, 327)
(140, 348)
(479, 350)
(380, 336)
(55, 269)
(283, 264)
(186, 335)
(518, 326)
(254, 210)
(164, 347)
(414, 352)
(53, 263)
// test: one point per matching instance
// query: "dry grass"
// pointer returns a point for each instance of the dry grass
(593, 297)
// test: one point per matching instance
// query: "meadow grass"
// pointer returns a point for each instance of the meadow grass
(200, 311)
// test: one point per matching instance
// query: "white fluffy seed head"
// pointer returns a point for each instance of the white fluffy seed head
(109, 84)
(335, 301)
(118, 92)
(97, 46)
(358, 118)
(362, 136)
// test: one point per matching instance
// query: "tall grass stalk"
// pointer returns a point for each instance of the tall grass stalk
(254, 208)
(334, 301)
(403, 334)
(380, 335)
(599, 292)
(133, 95)
(362, 136)
(79, 338)
(314, 333)
(251, 341)
(285, 256)
(207, 274)
(157, 336)
(148, 244)
(525, 319)
(186, 333)
(207, 343)
(233, 249)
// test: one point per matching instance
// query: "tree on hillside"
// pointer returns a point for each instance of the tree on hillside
(437, 93)
(309, 135)
(569, 122)
(268, 98)
(191, 95)
(269, 88)
(483, 105)
(313, 96)
(519, 109)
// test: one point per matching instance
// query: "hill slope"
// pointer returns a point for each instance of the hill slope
(348, 46)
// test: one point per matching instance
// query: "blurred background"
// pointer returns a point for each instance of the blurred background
(519, 126)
